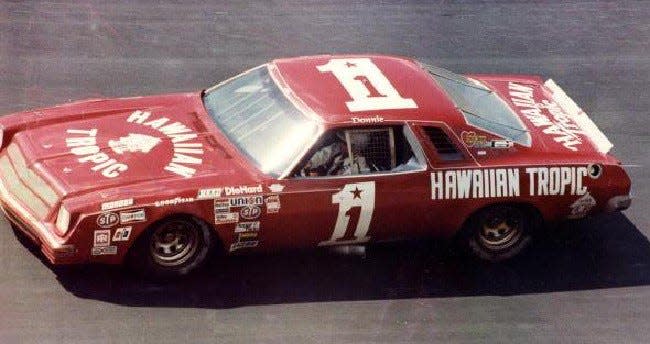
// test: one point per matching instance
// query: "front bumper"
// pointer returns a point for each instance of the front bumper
(41, 233)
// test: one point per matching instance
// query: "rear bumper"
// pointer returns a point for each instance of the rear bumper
(41, 233)
(618, 203)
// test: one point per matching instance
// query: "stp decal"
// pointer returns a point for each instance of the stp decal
(366, 85)
(107, 220)
(356, 195)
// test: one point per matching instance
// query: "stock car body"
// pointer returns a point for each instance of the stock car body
(160, 181)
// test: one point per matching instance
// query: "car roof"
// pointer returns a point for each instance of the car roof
(325, 85)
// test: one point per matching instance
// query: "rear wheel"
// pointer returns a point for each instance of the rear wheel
(500, 232)
(172, 247)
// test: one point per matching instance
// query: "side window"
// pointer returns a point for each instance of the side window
(443, 145)
(359, 151)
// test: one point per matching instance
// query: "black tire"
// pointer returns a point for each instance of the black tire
(500, 232)
(173, 247)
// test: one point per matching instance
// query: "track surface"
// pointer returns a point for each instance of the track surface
(590, 290)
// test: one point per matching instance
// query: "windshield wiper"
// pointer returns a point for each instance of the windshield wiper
(522, 131)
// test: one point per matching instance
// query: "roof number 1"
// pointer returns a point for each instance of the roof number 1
(369, 88)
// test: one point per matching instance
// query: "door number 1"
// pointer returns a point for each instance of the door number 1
(356, 195)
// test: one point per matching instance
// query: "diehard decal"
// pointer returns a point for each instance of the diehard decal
(209, 193)
(173, 201)
(122, 234)
(132, 216)
(104, 250)
(102, 237)
(272, 204)
(547, 115)
(366, 84)
(183, 159)
(581, 206)
(221, 218)
(242, 190)
(107, 220)
(247, 227)
(250, 212)
(357, 195)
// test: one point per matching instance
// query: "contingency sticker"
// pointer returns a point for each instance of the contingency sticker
(245, 240)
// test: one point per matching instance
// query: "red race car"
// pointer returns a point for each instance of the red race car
(305, 152)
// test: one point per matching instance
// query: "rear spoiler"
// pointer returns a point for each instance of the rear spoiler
(572, 110)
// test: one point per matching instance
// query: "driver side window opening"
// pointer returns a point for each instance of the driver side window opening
(361, 151)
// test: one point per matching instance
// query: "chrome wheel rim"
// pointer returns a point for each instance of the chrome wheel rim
(173, 243)
(500, 230)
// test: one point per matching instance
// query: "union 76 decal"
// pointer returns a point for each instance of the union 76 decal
(352, 196)
(369, 88)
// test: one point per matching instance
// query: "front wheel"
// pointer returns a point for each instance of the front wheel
(500, 232)
(171, 248)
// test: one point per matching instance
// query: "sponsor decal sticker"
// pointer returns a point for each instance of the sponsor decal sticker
(247, 227)
(272, 204)
(122, 203)
(546, 115)
(242, 190)
(107, 220)
(221, 206)
(221, 218)
(473, 140)
(185, 156)
(173, 201)
(245, 240)
(209, 193)
(104, 250)
(250, 212)
(102, 237)
(276, 187)
(242, 201)
(132, 216)
(122, 234)
(505, 182)
(581, 206)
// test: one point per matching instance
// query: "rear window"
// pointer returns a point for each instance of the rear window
(481, 106)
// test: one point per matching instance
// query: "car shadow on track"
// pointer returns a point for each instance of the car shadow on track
(604, 252)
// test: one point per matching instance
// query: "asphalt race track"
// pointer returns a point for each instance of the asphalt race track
(594, 286)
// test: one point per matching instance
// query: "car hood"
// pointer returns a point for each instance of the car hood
(86, 146)
(555, 122)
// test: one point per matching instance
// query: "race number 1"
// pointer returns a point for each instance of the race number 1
(368, 87)
(357, 195)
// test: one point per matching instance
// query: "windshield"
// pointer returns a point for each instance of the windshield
(481, 107)
(256, 116)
